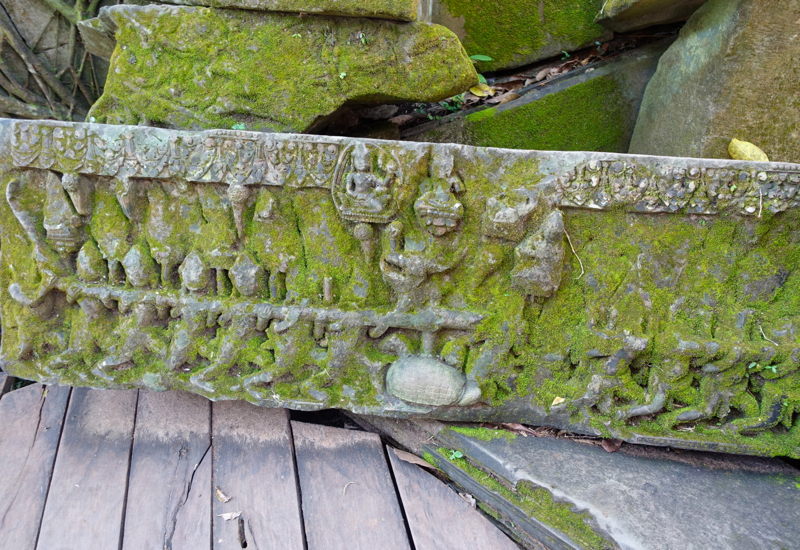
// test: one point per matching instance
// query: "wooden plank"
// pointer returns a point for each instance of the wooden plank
(253, 465)
(30, 427)
(86, 502)
(171, 439)
(194, 522)
(439, 519)
(349, 500)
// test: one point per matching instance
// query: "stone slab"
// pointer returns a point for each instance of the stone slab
(644, 298)
(402, 10)
(187, 67)
(631, 15)
(648, 498)
(590, 109)
(732, 73)
(517, 32)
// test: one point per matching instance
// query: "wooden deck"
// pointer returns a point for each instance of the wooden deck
(90, 469)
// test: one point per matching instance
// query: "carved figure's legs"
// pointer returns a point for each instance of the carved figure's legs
(277, 285)
(116, 273)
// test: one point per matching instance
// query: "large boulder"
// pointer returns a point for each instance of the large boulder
(518, 32)
(588, 110)
(630, 15)
(186, 67)
(733, 73)
(404, 10)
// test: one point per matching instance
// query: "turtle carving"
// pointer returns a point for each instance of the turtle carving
(427, 381)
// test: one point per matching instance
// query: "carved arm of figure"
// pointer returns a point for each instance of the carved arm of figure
(48, 263)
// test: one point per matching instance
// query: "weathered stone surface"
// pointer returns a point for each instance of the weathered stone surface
(630, 15)
(638, 497)
(403, 10)
(300, 271)
(204, 68)
(732, 73)
(580, 111)
(517, 32)
(98, 34)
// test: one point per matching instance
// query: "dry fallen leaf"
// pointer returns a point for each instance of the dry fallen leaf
(744, 150)
(482, 90)
(611, 445)
(504, 98)
(401, 119)
(470, 98)
(228, 516)
(524, 431)
(557, 401)
(510, 86)
(541, 75)
(221, 496)
(413, 459)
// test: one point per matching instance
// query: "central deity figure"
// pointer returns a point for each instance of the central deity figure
(363, 185)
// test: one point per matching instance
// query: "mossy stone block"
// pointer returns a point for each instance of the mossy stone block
(591, 111)
(186, 67)
(595, 499)
(403, 10)
(517, 32)
(630, 15)
(732, 73)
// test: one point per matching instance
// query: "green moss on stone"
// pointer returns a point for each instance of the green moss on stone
(404, 10)
(538, 503)
(591, 116)
(207, 68)
(518, 32)
(484, 434)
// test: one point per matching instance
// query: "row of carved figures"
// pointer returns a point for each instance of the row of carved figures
(243, 158)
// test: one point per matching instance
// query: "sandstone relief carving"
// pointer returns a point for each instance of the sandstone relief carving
(408, 279)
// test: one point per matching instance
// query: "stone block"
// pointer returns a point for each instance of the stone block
(402, 10)
(517, 32)
(631, 15)
(580, 111)
(650, 299)
(188, 67)
(570, 494)
(732, 73)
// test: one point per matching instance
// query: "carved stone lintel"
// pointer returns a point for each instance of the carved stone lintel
(403, 278)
